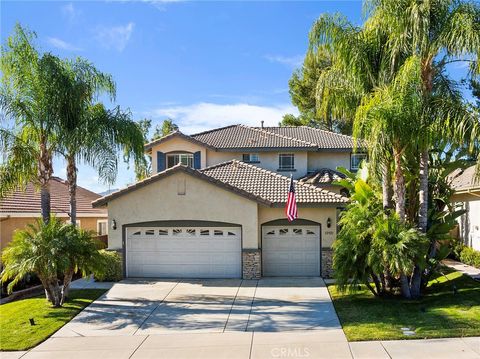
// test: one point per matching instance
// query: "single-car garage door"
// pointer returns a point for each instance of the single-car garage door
(183, 252)
(291, 251)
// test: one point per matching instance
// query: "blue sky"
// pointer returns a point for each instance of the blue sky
(204, 64)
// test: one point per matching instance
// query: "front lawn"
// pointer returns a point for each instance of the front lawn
(16, 333)
(440, 313)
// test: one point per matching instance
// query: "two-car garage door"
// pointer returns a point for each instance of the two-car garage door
(189, 252)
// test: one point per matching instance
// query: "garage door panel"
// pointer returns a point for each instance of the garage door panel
(184, 252)
(291, 250)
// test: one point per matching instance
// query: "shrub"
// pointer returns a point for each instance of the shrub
(470, 256)
(112, 267)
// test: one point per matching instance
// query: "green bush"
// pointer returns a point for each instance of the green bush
(112, 267)
(470, 256)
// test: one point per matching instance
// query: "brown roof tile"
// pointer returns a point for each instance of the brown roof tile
(255, 183)
(269, 185)
(240, 136)
(28, 200)
(464, 179)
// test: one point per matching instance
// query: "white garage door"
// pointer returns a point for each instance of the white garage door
(183, 252)
(291, 251)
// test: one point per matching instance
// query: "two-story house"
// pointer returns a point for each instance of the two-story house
(214, 205)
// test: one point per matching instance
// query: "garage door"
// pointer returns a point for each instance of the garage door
(291, 251)
(182, 252)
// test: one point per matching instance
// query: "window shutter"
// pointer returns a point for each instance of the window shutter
(160, 161)
(197, 163)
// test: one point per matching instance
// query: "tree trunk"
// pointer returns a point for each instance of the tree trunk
(405, 287)
(399, 186)
(416, 283)
(45, 171)
(67, 279)
(423, 192)
(386, 187)
(46, 287)
(72, 188)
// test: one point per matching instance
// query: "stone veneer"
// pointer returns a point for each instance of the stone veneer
(251, 263)
(327, 263)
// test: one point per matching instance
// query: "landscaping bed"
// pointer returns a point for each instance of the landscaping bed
(440, 313)
(18, 334)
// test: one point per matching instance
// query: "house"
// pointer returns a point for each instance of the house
(466, 188)
(214, 205)
(22, 207)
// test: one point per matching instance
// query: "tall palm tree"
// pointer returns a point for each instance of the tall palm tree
(31, 87)
(92, 134)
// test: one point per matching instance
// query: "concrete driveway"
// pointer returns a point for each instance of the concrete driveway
(144, 307)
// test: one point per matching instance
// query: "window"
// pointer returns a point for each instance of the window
(190, 232)
(204, 232)
(356, 160)
(183, 158)
(286, 161)
(150, 232)
(177, 232)
(163, 232)
(250, 157)
(217, 232)
(283, 231)
(102, 227)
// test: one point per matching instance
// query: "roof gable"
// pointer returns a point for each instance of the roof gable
(175, 134)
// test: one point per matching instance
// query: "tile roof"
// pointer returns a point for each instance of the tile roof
(177, 133)
(266, 187)
(323, 139)
(464, 179)
(28, 200)
(240, 136)
(322, 177)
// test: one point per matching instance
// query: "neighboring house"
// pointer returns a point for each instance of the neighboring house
(467, 193)
(22, 207)
(214, 205)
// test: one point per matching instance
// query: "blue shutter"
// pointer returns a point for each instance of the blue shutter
(160, 161)
(197, 163)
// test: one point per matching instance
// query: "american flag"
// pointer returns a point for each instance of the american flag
(291, 207)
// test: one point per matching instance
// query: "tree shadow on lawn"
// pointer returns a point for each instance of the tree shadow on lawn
(440, 313)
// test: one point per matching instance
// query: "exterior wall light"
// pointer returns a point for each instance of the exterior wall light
(329, 222)
(114, 224)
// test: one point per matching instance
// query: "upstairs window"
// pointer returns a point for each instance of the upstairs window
(286, 161)
(356, 160)
(183, 158)
(250, 157)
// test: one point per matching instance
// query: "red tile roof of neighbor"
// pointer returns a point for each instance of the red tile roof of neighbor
(28, 200)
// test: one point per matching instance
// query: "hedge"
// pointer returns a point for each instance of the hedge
(470, 256)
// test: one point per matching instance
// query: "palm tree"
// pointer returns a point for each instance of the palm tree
(47, 249)
(438, 32)
(29, 98)
(92, 134)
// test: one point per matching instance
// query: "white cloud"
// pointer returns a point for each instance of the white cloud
(60, 44)
(115, 37)
(290, 61)
(204, 115)
(70, 12)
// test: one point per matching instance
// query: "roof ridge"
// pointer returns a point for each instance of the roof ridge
(213, 130)
(279, 135)
(327, 131)
(221, 164)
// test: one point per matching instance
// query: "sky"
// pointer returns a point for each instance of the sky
(203, 64)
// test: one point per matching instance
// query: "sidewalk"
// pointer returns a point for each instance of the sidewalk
(464, 268)
(248, 345)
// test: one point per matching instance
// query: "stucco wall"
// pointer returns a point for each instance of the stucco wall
(469, 224)
(8, 226)
(268, 160)
(178, 144)
(317, 160)
(317, 214)
(201, 201)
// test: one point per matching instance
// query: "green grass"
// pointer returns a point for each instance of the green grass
(16, 333)
(439, 314)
